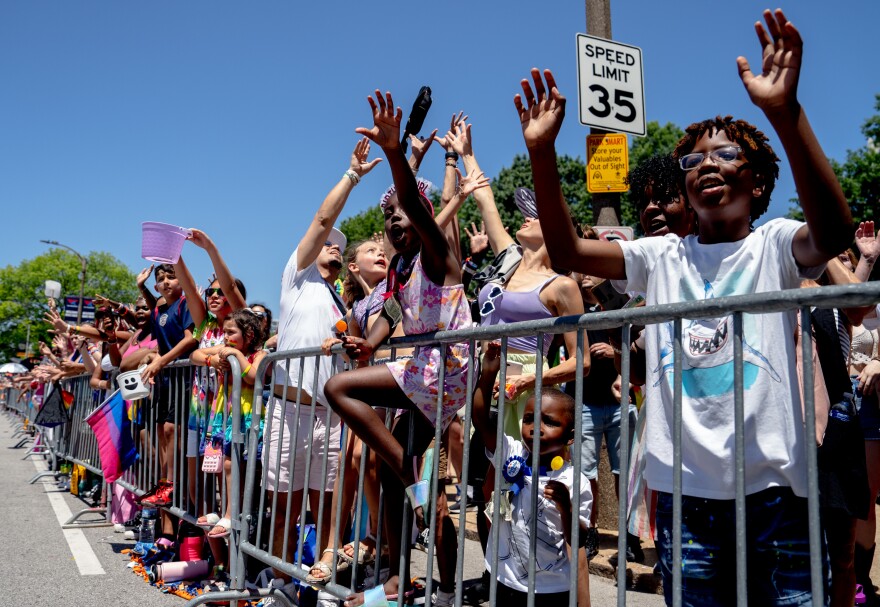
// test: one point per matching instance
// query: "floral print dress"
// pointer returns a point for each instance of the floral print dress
(426, 308)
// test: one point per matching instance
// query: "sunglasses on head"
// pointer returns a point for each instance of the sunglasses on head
(211, 291)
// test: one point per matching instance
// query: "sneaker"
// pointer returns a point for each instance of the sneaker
(455, 507)
(151, 493)
(634, 553)
(591, 542)
(479, 592)
(162, 497)
(422, 539)
(441, 598)
(134, 522)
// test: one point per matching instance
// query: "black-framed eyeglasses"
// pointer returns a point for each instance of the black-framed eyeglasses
(489, 305)
(210, 292)
(728, 153)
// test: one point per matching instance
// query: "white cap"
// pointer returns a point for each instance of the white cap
(338, 238)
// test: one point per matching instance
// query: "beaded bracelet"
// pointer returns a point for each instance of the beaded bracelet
(352, 176)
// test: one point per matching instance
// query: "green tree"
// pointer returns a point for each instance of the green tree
(363, 225)
(658, 140)
(572, 173)
(22, 299)
(859, 174)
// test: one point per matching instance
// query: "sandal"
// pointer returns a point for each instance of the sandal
(325, 569)
(225, 524)
(364, 554)
(208, 521)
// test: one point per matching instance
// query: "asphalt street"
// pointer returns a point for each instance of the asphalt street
(43, 565)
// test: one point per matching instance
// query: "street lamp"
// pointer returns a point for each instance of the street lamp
(82, 281)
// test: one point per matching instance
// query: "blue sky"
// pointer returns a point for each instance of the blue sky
(237, 118)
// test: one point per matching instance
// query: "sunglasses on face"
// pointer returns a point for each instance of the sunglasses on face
(210, 292)
(489, 305)
(141, 309)
(728, 153)
(260, 314)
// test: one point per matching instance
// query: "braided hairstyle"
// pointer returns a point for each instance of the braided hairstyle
(755, 147)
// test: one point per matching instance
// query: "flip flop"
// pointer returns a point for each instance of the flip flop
(326, 569)
(223, 523)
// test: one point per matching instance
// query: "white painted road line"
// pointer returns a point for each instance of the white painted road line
(82, 552)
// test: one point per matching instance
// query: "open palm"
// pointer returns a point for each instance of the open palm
(542, 114)
(782, 49)
(386, 122)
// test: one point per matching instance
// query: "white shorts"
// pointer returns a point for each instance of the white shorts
(311, 438)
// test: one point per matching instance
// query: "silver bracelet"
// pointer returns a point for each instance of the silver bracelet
(353, 177)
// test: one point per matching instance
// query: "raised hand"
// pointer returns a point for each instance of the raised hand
(359, 156)
(866, 241)
(386, 122)
(53, 318)
(775, 89)
(478, 238)
(467, 185)
(445, 141)
(143, 275)
(200, 239)
(420, 145)
(460, 139)
(542, 114)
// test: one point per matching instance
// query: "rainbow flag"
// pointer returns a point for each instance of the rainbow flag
(112, 428)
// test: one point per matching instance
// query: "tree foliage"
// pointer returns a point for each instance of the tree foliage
(572, 173)
(22, 299)
(659, 140)
(859, 174)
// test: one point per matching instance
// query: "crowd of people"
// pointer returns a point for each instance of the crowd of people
(697, 208)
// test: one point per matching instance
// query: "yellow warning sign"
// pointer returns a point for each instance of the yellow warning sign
(607, 163)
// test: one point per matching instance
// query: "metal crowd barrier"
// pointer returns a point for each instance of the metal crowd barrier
(255, 536)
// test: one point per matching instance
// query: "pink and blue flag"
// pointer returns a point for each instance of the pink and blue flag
(112, 428)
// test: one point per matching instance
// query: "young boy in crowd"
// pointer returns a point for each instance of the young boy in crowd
(728, 171)
(555, 482)
(173, 329)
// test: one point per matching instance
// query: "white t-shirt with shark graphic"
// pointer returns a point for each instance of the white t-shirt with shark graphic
(669, 269)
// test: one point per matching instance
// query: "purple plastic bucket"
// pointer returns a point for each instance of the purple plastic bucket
(162, 242)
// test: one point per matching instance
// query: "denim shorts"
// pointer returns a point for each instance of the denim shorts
(777, 545)
(599, 421)
(869, 411)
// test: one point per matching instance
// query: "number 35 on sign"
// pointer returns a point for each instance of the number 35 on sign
(610, 85)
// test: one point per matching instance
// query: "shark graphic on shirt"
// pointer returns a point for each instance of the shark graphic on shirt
(707, 361)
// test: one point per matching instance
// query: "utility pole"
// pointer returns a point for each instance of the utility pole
(606, 207)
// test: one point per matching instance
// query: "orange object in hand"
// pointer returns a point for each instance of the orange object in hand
(341, 326)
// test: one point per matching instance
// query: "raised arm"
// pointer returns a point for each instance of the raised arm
(869, 249)
(197, 308)
(541, 114)
(319, 229)
(460, 138)
(142, 278)
(774, 90)
(438, 260)
(227, 282)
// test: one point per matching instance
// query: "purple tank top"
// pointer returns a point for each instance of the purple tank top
(500, 307)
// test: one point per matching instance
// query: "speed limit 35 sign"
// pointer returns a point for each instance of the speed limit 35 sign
(610, 85)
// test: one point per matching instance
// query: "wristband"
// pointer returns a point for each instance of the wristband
(121, 309)
(352, 176)
(451, 165)
(245, 372)
(452, 156)
(208, 361)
